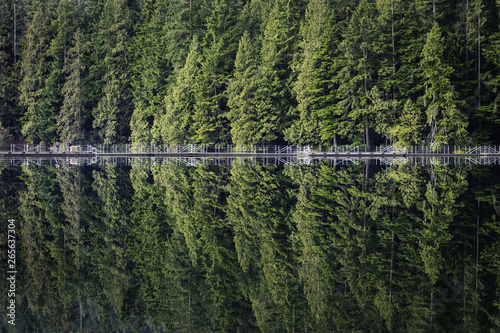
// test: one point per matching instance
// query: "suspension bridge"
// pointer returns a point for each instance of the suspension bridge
(192, 154)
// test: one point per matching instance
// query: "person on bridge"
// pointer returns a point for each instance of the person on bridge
(57, 146)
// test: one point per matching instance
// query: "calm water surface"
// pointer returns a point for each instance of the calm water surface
(190, 246)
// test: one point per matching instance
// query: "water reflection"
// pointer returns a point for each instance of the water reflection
(253, 245)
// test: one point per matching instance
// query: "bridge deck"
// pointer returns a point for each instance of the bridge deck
(193, 150)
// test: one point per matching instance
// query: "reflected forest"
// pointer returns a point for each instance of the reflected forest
(253, 247)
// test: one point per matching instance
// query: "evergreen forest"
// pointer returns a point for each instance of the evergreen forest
(243, 72)
(252, 247)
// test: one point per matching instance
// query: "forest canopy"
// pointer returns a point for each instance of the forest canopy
(320, 72)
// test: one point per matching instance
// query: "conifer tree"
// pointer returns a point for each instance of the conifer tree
(382, 111)
(489, 112)
(322, 88)
(316, 16)
(215, 241)
(34, 72)
(439, 209)
(64, 26)
(159, 47)
(249, 115)
(258, 219)
(445, 122)
(4, 135)
(110, 227)
(220, 46)
(385, 43)
(166, 296)
(465, 54)
(355, 74)
(139, 127)
(278, 47)
(9, 109)
(312, 271)
(112, 114)
(72, 207)
(39, 206)
(408, 78)
(69, 121)
(174, 124)
(409, 127)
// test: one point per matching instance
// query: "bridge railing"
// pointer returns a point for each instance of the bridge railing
(251, 149)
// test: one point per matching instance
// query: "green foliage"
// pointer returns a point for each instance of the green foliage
(252, 121)
(322, 88)
(110, 230)
(307, 72)
(438, 212)
(219, 49)
(69, 121)
(354, 71)
(278, 48)
(159, 47)
(173, 126)
(408, 130)
(112, 114)
(9, 110)
(34, 70)
(446, 124)
(311, 272)
(258, 217)
(316, 16)
(246, 247)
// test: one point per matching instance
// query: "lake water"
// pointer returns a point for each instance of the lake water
(250, 246)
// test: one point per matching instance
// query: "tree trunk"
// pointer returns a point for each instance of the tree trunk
(393, 48)
(479, 62)
(15, 34)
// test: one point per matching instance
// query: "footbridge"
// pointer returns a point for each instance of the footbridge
(194, 154)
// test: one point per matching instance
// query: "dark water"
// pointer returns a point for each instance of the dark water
(251, 247)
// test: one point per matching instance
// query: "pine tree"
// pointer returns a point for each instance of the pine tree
(385, 43)
(409, 127)
(112, 114)
(220, 45)
(215, 241)
(251, 121)
(412, 31)
(34, 72)
(312, 270)
(72, 206)
(322, 89)
(464, 52)
(316, 16)
(64, 26)
(4, 135)
(165, 292)
(445, 122)
(355, 74)
(69, 121)
(159, 47)
(259, 222)
(109, 229)
(173, 125)
(9, 110)
(489, 112)
(39, 206)
(439, 209)
(278, 48)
